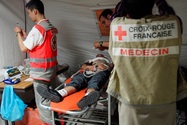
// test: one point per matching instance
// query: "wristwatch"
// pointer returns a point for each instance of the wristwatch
(101, 43)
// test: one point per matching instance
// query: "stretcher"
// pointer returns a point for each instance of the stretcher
(70, 113)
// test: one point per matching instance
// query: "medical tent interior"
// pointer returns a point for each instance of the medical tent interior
(78, 28)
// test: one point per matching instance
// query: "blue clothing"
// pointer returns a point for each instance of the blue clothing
(96, 82)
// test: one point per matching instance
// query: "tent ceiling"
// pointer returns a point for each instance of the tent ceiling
(89, 3)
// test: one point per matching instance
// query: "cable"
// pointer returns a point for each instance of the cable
(25, 17)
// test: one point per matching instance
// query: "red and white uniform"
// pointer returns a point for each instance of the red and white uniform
(42, 43)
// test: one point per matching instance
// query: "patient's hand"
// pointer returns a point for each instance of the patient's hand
(102, 67)
(88, 67)
(83, 66)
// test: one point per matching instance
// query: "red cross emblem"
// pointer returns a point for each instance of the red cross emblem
(54, 43)
(120, 33)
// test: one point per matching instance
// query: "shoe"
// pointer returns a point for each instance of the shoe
(47, 93)
(58, 123)
(89, 99)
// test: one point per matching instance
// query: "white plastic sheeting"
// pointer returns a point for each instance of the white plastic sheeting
(77, 28)
(9, 50)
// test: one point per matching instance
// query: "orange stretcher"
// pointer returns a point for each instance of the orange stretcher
(98, 113)
(68, 102)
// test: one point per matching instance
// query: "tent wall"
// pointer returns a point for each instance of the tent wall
(77, 28)
(9, 50)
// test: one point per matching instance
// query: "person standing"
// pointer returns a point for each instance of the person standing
(144, 77)
(41, 43)
(104, 19)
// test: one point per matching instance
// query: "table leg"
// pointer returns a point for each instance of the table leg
(6, 122)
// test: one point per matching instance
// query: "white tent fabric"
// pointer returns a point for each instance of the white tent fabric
(77, 28)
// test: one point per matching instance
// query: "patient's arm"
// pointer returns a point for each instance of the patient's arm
(104, 46)
(102, 66)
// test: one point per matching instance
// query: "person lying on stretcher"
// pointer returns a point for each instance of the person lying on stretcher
(95, 73)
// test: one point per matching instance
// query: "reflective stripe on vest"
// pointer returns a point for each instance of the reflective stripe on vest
(43, 62)
(42, 69)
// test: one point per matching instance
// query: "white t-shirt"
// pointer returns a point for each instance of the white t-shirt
(34, 38)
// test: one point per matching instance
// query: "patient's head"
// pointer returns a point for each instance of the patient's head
(100, 55)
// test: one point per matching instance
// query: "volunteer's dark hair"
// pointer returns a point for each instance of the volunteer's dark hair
(164, 8)
(105, 13)
(35, 4)
(137, 9)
